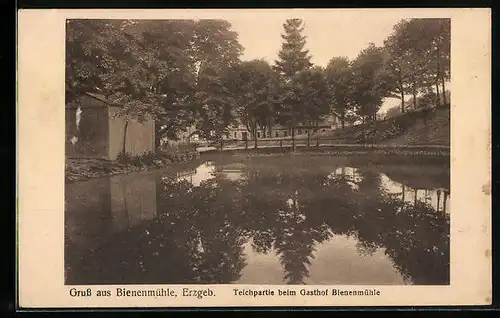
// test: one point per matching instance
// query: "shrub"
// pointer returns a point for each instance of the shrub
(148, 158)
(177, 152)
(124, 157)
(163, 155)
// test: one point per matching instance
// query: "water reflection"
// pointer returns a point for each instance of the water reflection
(197, 175)
(438, 198)
(261, 222)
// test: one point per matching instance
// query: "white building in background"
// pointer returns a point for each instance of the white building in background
(240, 131)
(189, 135)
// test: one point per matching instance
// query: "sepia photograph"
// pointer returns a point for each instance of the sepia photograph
(313, 159)
(180, 158)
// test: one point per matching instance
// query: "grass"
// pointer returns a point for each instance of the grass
(422, 127)
(436, 131)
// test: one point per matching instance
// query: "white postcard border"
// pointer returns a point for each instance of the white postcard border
(40, 119)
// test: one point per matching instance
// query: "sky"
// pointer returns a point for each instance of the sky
(329, 33)
(326, 37)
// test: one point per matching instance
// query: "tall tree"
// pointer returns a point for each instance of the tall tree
(100, 57)
(399, 63)
(371, 82)
(255, 82)
(444, 45)
(423, 33)
(313, 93)
(82, 62)
(434, 45)
(293, 59)
(103, 56)
(174, 71)
(419, 52)
(167, 49)
(406, 47)
(339, 80)
(216, 51)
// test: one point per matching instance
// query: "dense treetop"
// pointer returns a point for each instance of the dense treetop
(187, 72)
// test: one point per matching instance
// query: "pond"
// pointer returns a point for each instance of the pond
(262, 220)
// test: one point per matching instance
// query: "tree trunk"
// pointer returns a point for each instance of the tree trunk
(440, 74)
(414, 93)
(438, 200)
(293, 138)
(342, 118)
(309, 134)
(402, 101)
(270, 128)
(157, 136)
(438, 98)
(250, 130)
(445, 194)
(443, 90)
(255, 136)
(125, 128)
(363, 130)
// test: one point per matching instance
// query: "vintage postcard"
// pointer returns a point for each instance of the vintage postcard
(203, 158)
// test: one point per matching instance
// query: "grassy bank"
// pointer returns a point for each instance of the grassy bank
(422, 127)
(435, 131)
(357, 156)
(79, 169)
(347, 150)
(426, 127)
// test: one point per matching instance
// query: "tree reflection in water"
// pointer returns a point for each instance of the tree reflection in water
(199, 232)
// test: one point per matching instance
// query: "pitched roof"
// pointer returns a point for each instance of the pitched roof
(99, 97)
(102, 98)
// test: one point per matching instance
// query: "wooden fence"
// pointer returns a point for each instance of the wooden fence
(365, 135)
(288, 143)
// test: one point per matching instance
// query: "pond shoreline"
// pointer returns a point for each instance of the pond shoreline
(344, 150)
(81, 169)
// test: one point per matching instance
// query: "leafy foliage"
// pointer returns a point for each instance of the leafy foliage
(312, 91)
(296, 82)
(171, 70)
(370, 84)
(339, 77)
(257, 84)
(293, 57)
(419, 51)
(217, 50)
(185, 73)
